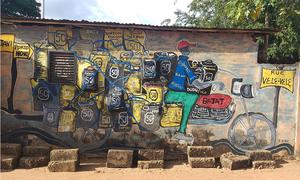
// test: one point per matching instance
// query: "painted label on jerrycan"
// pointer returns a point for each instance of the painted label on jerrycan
(67, 121)
(154, 92)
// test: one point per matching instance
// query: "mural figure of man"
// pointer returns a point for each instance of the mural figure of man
(177, 92)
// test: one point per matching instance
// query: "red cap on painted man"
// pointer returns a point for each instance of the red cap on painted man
(183, 44)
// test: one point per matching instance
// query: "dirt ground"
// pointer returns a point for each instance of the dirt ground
(286, 171)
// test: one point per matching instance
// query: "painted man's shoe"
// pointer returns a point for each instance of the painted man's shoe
(183, 138)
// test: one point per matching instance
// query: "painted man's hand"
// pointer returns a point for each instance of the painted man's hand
(218, 85)
(202, 85)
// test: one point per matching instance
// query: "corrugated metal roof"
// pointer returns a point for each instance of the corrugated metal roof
(18, 20)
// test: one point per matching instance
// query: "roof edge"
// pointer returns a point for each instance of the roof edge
(18, 20)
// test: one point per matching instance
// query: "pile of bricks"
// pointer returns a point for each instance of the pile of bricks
(10, 154)
(201, 156)
(151, 158)
(233, 162)
(117, 158)
(64, 160)
(34, 156)
(261, 159)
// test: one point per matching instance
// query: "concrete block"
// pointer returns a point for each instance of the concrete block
(64, 154)
(36, 151)
(232, 162)
(63, 166)
(202, 162)
(151, 164)
(151, 154)
(11, 149)
(200, 151)
(264, 164)
(32, 162)
(119, 158)
(259, 155)
(8, 162)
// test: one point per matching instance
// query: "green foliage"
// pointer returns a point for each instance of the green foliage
(20, 8)
(283, 15)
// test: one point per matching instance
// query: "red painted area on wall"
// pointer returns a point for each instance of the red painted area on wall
(215, 101)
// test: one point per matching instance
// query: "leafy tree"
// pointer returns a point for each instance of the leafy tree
(283, 15)
(20, 8)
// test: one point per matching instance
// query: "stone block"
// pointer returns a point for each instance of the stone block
(233, 162)
(63, 166)
(202, 162)
(221, 149)
(259, 155)
(32, 162)
(36, 151)
(264, 164)
(64, 154)
(151, 164)
(119, 158)
(11, 149)
(200, 151)
(8, 162)
(151, 154)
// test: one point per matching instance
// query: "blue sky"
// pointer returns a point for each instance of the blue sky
(123, 11)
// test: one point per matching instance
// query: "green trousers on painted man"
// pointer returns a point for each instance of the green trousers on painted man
(187, 99)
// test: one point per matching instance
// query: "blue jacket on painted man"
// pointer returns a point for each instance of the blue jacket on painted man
(182, 72)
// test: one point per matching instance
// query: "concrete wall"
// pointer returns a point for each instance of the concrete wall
(239, 117)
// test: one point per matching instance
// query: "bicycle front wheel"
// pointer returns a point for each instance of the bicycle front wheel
(253, 133)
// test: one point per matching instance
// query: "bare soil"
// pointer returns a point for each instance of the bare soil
(97, 171)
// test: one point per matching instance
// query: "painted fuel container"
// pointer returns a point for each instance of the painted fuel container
(206, 71)
(115, 99)
(90, 79)
(67, 121)
(149, 69)
(51, 116)
(88, 115)
(154, 92)
(150, 118)
(166, 64)
(122, 121)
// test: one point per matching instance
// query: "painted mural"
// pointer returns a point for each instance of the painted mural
(96, 88)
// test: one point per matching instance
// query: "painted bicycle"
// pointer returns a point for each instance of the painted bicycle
(248, 130)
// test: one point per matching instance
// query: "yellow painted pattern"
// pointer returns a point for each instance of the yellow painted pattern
(276, 77)
(7, 42)
(137, 110)
(113, 38)
(172, 115)
(101, 60)
(133, 58)
(134, 40)
(81, 65)
(134, 83)
(99, 100)
(42, 59)
(67, 92)
(67, 121)
(59, 36)
(89, 34)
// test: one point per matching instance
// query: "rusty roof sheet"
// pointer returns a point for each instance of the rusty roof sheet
(39, 21)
